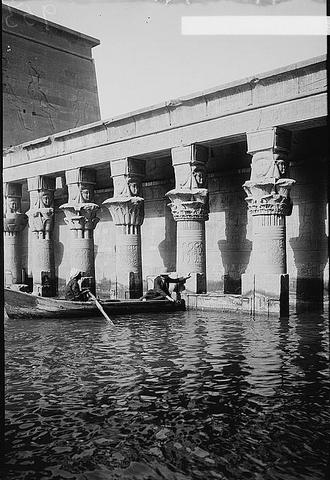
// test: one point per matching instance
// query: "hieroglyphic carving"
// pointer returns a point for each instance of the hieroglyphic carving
(133, 259)
(269, 255)
(193, 253)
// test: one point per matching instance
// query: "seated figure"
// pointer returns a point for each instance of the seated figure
(73, 290)
(161, 288)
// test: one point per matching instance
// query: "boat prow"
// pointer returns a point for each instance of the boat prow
(27, 306)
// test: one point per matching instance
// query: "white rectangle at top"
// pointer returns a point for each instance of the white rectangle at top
(255, 25)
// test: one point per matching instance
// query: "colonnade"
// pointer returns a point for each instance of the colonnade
(268, 200)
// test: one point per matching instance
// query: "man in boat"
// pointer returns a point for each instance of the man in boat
(73, 290)
(161, 288)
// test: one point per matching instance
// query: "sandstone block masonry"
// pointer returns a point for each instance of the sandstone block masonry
(49, 81)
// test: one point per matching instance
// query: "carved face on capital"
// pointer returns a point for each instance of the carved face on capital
(46, 199)
(199, 176)
(12, 204)
(281, 166)
(133, 188)
(86, 193)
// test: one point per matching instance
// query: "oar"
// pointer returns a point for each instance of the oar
(99, 306)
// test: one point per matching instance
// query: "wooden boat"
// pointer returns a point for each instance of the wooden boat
(28, 306)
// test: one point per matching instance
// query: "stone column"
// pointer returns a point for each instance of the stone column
(127, 210)
(14, 223)
(266, 282)
(41, 216)
(80, 216)
(189, 205)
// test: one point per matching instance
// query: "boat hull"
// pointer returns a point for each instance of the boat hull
(19, 305)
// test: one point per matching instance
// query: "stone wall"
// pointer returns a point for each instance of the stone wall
(49, 80)
(307, 227)
(228, 248)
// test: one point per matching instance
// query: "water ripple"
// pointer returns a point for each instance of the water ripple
(186, 396)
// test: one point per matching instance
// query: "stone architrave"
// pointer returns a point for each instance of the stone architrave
(41, 223)
(14, 223)
(189, 206)
(266, 281)
(127, 210)
(80, 216)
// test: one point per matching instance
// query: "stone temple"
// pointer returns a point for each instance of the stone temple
(229, 183)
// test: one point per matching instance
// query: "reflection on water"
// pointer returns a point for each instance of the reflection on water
(178, 397)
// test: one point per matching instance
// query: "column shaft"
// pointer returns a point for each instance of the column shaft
(41, 216)
(128, 263)
(189, 205)
(268, 246)
(80, 216)
(265, 285)
(82, 254)
(12, 258)
(191, 246)
(14, 223)
(127, 210)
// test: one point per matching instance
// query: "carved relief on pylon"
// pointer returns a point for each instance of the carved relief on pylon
(189, 204)
(14, 221)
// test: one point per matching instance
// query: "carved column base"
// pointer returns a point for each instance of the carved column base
(265, 293)
(128, 262)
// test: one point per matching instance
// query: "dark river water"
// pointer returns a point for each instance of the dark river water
(176, 397)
